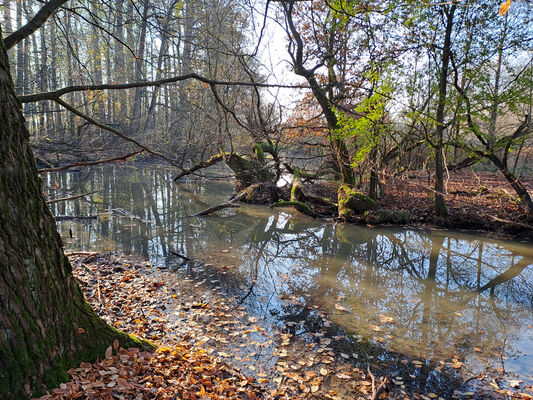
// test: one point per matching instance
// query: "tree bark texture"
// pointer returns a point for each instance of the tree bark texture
(46, 325)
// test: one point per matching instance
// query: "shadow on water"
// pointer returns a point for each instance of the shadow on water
(453, 301)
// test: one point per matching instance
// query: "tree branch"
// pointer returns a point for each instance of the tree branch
(69, 198)
(203, 164)
(35, 23)
(89, 163)
(107, 86)
(113, 130)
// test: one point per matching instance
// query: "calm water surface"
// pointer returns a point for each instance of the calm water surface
(433, 296)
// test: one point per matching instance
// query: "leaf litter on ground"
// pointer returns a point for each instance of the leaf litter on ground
(202, 336)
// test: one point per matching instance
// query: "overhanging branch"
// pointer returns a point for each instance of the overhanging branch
(89, 163)
(33, 24)
(113, 130)
(81, 88)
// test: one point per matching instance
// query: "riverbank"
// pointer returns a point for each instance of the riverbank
(210, 347)
(482, 203)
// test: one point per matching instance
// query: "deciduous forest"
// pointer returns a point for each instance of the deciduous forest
(220, 199)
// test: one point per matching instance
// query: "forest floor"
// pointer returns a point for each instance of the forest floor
(209, 347)
(477, 201)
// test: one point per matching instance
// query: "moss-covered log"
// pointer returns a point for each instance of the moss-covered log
(298, 205)
(353, 203)
(385, 216)
(248, 171)
(46, 326)
(263, 193)
(310, 176)
(305, 202)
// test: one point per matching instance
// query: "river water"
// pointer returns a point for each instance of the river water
(443, 297)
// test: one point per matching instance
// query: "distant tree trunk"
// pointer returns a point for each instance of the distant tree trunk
(130, 61)
(184, 110)
(96, 62)
(71, 70)
(120, 60)
(441, 210)
(46, 325)
(59, 128)
(139, 64)
(43, 86)
(163, 49)
(7, 17)
(19, 83)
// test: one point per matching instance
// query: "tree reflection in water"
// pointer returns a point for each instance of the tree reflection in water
(423, 294)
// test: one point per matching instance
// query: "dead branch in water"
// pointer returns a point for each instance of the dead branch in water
(70, 198)
(229, 204)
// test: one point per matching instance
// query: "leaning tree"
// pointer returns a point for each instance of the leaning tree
(46, 325)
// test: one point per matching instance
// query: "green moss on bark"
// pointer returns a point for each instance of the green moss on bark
(352, 203)
(300, 206)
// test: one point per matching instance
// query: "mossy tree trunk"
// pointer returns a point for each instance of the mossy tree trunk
(46, 325)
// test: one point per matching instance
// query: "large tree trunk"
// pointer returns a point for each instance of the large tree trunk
(46, 326)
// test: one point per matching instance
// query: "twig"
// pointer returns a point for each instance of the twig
(180, 256)
(98, 295)
(82, 253)
(373, 380)
(376, 391)
(89, 163)
(506, 221)
(69, 198)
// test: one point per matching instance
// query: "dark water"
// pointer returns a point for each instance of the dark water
(431, 296)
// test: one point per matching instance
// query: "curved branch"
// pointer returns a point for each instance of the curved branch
(33, 24)
(113, 130)
(174, 79)
(89, 163)
(204, 164)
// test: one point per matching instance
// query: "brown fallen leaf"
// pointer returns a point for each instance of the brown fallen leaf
(108, 352)
(338, 307)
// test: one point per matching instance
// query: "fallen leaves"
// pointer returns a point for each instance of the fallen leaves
(168, 373)
(203, 333)
(338, 307)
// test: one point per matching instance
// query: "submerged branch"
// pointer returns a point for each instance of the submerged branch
(69, 198)
(218, 207)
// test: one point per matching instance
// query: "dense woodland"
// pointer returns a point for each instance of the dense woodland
(385, 91)
(373, 112)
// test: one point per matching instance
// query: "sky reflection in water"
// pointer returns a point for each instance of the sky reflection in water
(424, 295)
